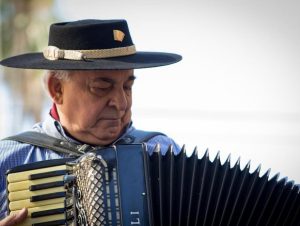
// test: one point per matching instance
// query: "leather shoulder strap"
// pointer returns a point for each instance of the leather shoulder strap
(139, 136)
(58, 145)
(46, 141)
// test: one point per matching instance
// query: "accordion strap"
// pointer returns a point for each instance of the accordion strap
(65, 147)
(46, 141)
(138, 136)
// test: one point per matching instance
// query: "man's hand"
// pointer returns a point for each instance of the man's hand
(14, 219)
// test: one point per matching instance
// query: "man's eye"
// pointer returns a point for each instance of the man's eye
(100, 90)
(128, 88)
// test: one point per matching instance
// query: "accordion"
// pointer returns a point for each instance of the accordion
(125, 185)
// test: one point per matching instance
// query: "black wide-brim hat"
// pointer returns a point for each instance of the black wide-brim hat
(90, 45)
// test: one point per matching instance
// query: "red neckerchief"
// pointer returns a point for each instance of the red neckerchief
(54, 113)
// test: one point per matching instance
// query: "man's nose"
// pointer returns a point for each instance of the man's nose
(118, 100)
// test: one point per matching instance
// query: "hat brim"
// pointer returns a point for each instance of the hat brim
(136, 61)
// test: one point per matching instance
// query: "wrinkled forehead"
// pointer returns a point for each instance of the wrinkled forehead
(114, 75)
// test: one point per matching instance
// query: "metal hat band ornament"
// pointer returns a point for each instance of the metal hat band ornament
(118, 35)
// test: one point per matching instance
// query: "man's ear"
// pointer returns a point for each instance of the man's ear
(55, 88)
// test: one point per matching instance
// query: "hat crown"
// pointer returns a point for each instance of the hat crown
(90, 45)
(89, 34)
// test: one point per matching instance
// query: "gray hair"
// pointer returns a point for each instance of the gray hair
(63, 75)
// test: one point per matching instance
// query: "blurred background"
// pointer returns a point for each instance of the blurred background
(236, 91)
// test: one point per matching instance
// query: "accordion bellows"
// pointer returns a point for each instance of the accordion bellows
(193, 191)
(124, 185)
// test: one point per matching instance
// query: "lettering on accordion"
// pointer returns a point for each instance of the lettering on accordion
(135, 218)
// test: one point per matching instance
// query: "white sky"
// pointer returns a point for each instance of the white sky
(237, 89)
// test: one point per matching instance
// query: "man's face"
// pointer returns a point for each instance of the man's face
(96, 105)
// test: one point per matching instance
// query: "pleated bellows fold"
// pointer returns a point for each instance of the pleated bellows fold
(192, 190)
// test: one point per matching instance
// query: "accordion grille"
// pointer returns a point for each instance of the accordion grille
(90, 174)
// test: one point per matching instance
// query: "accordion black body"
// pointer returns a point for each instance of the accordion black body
(124, 185)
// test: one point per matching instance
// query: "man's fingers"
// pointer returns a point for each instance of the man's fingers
(14, 218)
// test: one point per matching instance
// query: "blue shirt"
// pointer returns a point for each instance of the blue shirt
(13, 153)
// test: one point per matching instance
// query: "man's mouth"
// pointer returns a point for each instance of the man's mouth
(112, 121)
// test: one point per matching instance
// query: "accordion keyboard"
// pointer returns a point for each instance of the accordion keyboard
(43, 192)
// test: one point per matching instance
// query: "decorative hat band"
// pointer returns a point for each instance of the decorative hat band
(54, 53)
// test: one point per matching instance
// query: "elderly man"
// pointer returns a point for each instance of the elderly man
(90, 73)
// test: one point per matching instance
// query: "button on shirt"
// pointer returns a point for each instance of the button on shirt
(13, 153)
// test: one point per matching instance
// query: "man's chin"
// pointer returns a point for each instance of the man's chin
(108, 137)
(100, 141)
